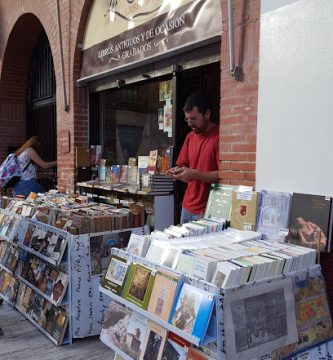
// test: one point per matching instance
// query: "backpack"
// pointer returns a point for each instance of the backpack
(10, 171)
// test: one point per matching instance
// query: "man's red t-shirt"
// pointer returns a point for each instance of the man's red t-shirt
(199, 152)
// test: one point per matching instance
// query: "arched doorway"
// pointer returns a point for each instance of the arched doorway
(41, 102)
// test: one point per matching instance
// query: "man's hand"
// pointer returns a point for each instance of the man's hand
(184, 174)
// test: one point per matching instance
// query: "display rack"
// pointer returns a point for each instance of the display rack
(62, 265)
(82, 300)
(211, 341)
(163, 203)
(218, 333)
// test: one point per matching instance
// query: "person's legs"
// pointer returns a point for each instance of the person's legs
(187, 216)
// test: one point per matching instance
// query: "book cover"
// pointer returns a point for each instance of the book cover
(137, 244)
(244, 210)
(136, 332)
(114, 325)
(59, 287)
(164, 159)
(154, 341)
(174, 351)
(115, 276)
(151, 168)
(192, 311)
(273, 214)
(60, 325)
(139, 285)
(124, 174)
(309, 220)
(219, 201)
(313, 318)
(196, 354)
(164, 291)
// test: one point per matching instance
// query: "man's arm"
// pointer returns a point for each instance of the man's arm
(185, 174)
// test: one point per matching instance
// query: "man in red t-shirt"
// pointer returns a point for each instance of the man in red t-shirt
(198, 161)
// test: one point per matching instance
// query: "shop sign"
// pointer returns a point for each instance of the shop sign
(124, 32)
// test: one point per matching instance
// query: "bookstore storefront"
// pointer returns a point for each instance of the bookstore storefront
(141, 62)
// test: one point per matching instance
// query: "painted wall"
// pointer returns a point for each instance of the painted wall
(295, 108)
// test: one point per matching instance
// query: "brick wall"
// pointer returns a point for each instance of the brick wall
(238, 117)
(20, 25)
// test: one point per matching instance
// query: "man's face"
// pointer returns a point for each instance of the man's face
(197, 121)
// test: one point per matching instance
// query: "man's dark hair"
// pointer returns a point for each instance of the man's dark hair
(199, 100)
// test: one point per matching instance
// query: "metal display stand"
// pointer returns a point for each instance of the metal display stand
(83, 301)
(63, 265)
(215, 339)
(211, 341)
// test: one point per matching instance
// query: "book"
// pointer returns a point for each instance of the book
(244, 210)
(136, 332)
(139, 285)
(151, 168)
(196, 354)
(154, 341)
(115, 276)
(310, 221)
(165, 288)
(115, 323)
(313, 318)
(164, 159)
(192, 311)
(273, 214)
(60, 325)
(138, 244)
(219, 201)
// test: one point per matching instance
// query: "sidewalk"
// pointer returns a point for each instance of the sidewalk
(23, 341)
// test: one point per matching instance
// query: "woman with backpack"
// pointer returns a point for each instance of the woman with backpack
(29, 158)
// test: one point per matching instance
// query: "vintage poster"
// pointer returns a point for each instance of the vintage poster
(259, 319)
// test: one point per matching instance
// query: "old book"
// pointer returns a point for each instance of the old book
(196, 354)
(115, 323)
(60, 325)
(151, 168)
(162, 297)
(136, 332)
(219, 201)
(59, 287)
(192, 311)
(313, 317)
(139, 285)
(244, 210)
(138, 244)
(154, 341)
(164, 159)
(114, 279)
(310, 221)
(273, 214)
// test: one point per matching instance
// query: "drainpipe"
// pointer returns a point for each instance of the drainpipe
(64, 93)
(236, 71)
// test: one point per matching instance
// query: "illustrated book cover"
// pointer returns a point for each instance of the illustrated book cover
(192, 311)
(310, 221)
(154, 342)
(115, 276)
(139, 285)
(162, 297)
(244, 210)
(273, 214)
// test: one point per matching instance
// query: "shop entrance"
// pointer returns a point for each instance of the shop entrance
(126, 120)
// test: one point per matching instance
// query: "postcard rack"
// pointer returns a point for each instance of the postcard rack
(19, 253)
(211, 341)
(215, 342)
(82, 300)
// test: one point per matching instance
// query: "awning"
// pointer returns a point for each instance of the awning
(120, 34)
